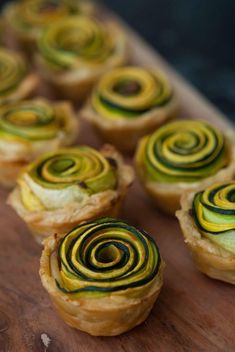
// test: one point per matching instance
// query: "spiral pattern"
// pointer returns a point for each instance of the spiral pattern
(83, 166)
(220, 200)
(12, 71)
(130, 92)
(214, 214)
(31, 120)
(67, 176)
(105, 256)
(76, 41)
(183, 151)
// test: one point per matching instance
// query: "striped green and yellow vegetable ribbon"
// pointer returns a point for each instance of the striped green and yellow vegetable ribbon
(31, 120)
(82, 165)
(66, 176)
(130, 92)
(106, 256)
(214, 214)
(182, 151)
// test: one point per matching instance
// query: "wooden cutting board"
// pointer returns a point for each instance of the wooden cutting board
(193, 312)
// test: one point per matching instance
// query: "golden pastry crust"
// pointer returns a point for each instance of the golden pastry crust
(108, 315)
(9, 172)
(108, 203)
(209, 258)
(167, 196)
(124, 133)
(16, 154)
(76, 83)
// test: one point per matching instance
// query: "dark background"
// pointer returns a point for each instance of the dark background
(196, 36)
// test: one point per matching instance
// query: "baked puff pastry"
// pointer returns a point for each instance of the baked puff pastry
(181, 156)
(76, 51)
(207, 219)
(129, 102)
(26, 19)
(28, 129)
(103, 277)
(16, 82)
(64, 188)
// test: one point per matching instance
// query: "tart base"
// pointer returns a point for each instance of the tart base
(125, 133)
(167, 196)
(209, 258)
(60, 221)
(69, 87)
(41, 232)
(64, 88)
(9, 172)
(11, 168)
(107, 322)
(109, 315)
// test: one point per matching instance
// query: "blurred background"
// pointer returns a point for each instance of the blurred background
(195, 36)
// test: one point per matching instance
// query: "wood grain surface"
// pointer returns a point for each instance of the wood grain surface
(193, 313)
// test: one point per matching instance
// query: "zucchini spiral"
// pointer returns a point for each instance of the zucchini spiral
(28, 129)
(69, 175)
(75, 42)
(68, 187)
(30, 120)
(130, 92)
(106, 256)
(214, 214)
(182, 151)
(103, 277)
(12, 72)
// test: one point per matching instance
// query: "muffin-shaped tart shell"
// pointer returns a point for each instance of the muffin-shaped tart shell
(211, 259)
(44, 222)
(166, 195)
(112, 311)
(143, 102)
(30, 128)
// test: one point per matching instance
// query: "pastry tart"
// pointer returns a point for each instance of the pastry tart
(26, 19)
(207, 219)
(28, 129)
(103, 277)
(64, 188)
(16, 82)
(129, 102)
(181, 156)
(75, 52)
